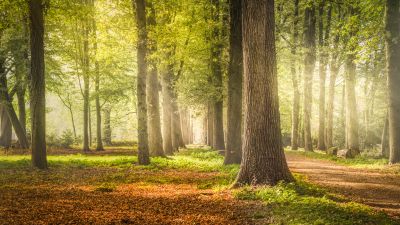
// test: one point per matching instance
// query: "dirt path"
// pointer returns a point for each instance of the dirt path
(370, 187)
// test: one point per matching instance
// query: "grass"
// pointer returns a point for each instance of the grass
(303, 203)
(294, 203)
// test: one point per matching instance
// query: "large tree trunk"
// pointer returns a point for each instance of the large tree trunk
(167, 110)
(37, 93)
(331, 100)
(263, 160)
(233, 153)
(295, 81)
(107, 125)
(5, 128)
(393, 68)
(216, 70)
(309, 66)
(153, 102)
(143, 146)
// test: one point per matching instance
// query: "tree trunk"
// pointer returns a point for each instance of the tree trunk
(107, 125)
(37, 93)
(143, 146)
(351, 105)
(393, 72)
(210, 124)
(296, 93)
(5, 128)
(5, 100)
(99, 140)
(86, 80)
(153, 102)
(216, 70)
(330, 107)
(385, 138)
(309, 66)
(263, 160)
(73, 122)
(167, 111)
(233, 153)
(177, 138)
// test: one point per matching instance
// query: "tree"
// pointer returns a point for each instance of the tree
(263, 160)
(143, 147)
(37, 92)
(309, 65)
(153, 104)
(295, 81)
(5, 128)
(216, 71)
(233, 153)
(86, 80)
(393, 71)
(167, 110)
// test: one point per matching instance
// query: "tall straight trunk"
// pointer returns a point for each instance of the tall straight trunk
(177, 138)
(153, 102)
(233, 153)
(263, 160)
(167, 110)
(107, 125)
(295, 81)
(324, 31)
(5, 100)
(185, 124)
(343, 116)
(351, 105)
(309, 66)
(86, 80)
(99, 140)
(90, 124)
(210, 124)
(393, 72)
(331, 101)
(216, 70)
(385, 138)
(5, 128)
(205, 130)
(21, 109)
(143, 146)
(37, 92)
(73, 122)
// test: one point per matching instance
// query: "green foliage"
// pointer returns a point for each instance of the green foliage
(303, 203)
(66, 140)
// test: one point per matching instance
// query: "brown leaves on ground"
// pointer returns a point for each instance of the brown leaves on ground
(73, 199)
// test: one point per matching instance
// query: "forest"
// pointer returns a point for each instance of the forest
(200, 112)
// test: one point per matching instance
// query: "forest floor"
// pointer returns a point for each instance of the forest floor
(189, 188)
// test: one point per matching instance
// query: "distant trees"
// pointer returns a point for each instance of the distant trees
(263, 160)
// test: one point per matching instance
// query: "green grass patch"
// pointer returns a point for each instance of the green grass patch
(304, 203)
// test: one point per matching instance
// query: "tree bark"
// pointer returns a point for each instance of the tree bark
(309, 66)
(5, 128)
(210, 124)
(167, 110)
(99, 140)
(263, 160)
(385, 138)
(86, 80)
(233, 153)
(107, 125)
(143, 146)
(393, 71)
(216, 70)
(153, 102)
(37, 92)
(351, 105)
(5, 100)
(295, 81)
(177, 138)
